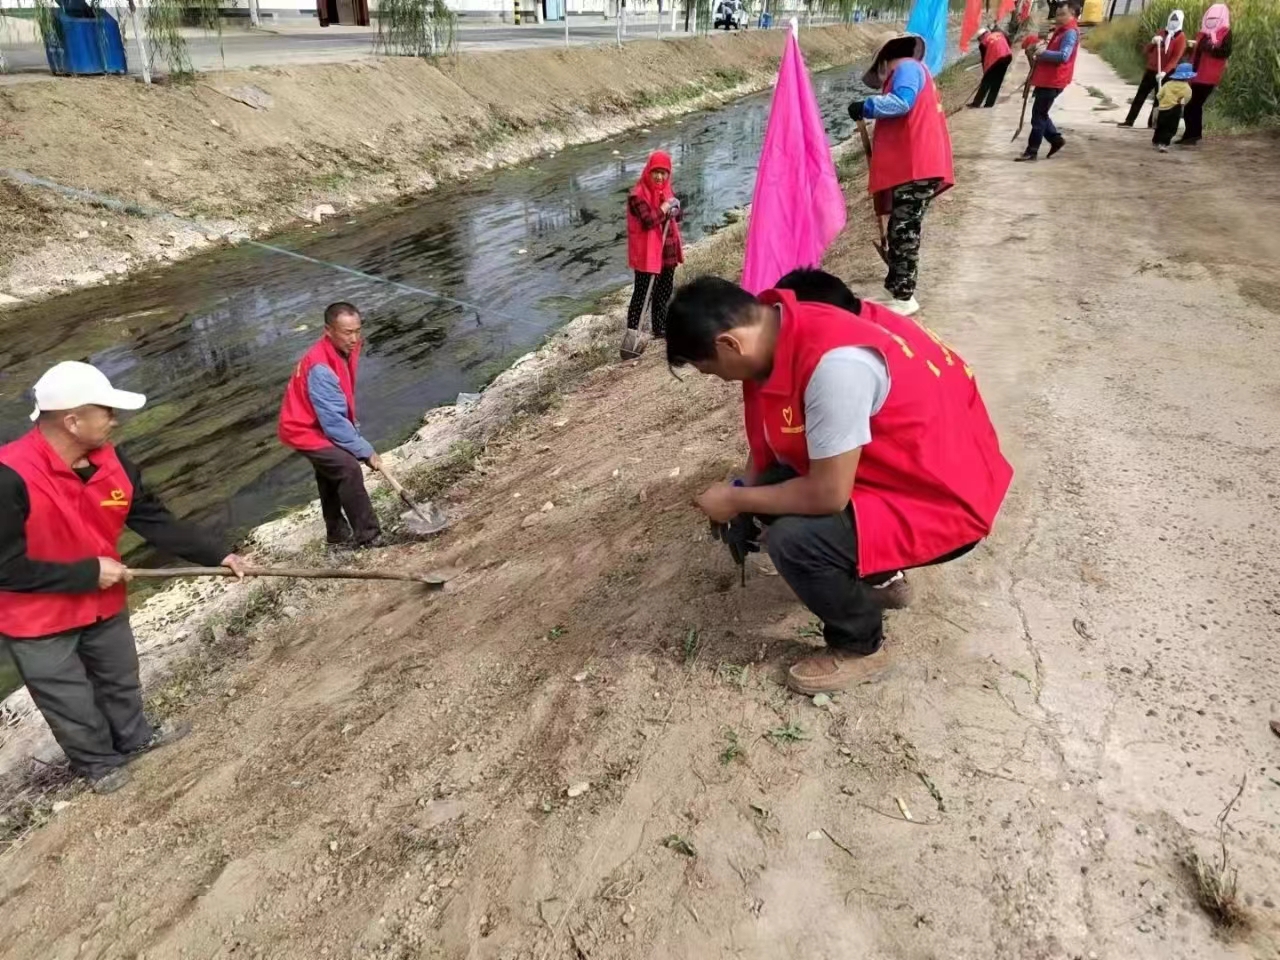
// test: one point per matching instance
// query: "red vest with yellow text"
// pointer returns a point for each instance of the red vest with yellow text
(932, 478)
(1057, 76)
(995, 46)
(69, 520)
(914, 147)
(299, 426)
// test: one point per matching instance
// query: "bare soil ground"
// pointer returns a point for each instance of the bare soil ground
(582, 749)
(344, 134)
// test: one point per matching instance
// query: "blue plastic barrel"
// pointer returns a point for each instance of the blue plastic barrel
(85, 46)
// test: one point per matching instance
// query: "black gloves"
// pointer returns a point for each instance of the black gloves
(855, 109)
(742, 536)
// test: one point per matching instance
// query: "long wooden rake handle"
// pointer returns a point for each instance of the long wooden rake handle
(434, 580)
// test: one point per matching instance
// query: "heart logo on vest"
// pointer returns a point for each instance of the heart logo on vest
(118, 499)
(787, 415)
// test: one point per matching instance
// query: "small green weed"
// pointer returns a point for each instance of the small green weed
(812, 630)
(690, 644)
(733, 749)
(679, 844)
(791, 733)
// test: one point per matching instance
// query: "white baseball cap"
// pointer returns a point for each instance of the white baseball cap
(72, 384)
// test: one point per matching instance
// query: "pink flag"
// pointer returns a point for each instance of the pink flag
(798, 207)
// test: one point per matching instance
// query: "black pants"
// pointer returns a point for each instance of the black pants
(1194, 114)
(663, 283)
(1166, 126)
(818, 558)
(906, 223)
(992, 81)
(344, 501)
(1146, 87)
(85, 684)
(1042, 126)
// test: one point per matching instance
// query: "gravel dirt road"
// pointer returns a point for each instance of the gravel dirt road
(582, 750)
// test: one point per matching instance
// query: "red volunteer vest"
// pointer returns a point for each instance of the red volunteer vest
(644, 247)
(70, 520)
(1057, 76)
(932, 478)
(299, 426)
(1209, 67)
(1160, 59)
(914, 147)
(994, 47)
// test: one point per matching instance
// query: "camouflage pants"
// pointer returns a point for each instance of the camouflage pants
(910, 201)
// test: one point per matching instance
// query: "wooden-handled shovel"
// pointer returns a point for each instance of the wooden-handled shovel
(882, 246)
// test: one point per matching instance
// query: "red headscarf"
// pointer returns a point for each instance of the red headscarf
(647, 189)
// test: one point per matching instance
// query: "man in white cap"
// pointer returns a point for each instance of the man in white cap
(66, 495)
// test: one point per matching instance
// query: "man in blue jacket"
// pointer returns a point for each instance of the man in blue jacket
(318, 419)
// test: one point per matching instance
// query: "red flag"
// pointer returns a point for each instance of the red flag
(969, 25)
(1005, 7)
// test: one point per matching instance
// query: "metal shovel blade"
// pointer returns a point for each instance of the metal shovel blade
(633, 345)
(426, 520)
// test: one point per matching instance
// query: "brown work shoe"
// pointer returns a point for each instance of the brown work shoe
(893, 595)
(832, 671)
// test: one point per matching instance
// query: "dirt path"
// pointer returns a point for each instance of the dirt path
(1068, 709)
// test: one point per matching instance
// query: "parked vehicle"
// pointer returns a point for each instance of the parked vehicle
(731, 14)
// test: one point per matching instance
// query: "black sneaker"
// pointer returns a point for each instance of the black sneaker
(163, 734)
(1125, 123)
(1025, 158)
(373, 543)
(1184, 142)
(1055, 146)
(111, 781)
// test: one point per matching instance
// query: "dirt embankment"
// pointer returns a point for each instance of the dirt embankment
(345, 135)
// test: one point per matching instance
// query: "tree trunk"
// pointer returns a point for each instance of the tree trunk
(144, 53)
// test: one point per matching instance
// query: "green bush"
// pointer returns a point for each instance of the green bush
(1250, 90)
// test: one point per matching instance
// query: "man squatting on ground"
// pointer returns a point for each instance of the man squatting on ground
(318, 419)
(910, 157)
(66, 494)
(871, 449)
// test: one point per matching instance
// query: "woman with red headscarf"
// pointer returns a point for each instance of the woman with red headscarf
(1212, 48)
(654, 249)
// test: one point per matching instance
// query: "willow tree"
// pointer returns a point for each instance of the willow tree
(417, 28)
(156, 28)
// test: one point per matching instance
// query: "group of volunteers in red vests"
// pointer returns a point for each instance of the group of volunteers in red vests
(871, 450)
(1183, 76)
